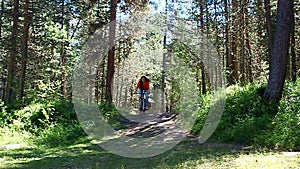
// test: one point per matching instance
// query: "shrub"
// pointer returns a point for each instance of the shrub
(111, 114)
(40, 114)
(56, 135)
(248, 119)
(284, 131)
(245, 115)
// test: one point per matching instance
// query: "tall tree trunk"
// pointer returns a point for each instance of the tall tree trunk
(1, 15)
(293, 52)
(103, 80)
(117, 82)
(203, 83)
(111, 52)
(233, 64)
(260, 45)
(217, 43)
(203, 78)
(63, 56)
(163, 85)
(209, 78)
(269, 27)
(242, 32)
(97, 83)
(216, 25)
(10, 89)
(3, 81)
(121, 86)
(280, 50)
(249, 53)
(3, 73)
(227, 52)
(25, 48)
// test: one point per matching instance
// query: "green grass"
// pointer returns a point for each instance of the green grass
(85, 155)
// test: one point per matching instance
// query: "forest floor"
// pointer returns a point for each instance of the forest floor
(189, 153)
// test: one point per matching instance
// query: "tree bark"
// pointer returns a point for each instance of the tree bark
(269, 27)
(1, 15)
(242, 33)
(259, 52)
(3, 73)
(63, 56)
(10, 88)
(233, 64)
(280, 50)
(25, 48)
(111, 52)
(293, 52)
(203, 83)
(227, 52)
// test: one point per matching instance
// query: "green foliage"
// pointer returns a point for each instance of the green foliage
(285, 127)
(47, 90)
(248, 119)
(52, 122)
(38, 114)
(111, 114)
(245, 115)
(59, 135)
(202, 112)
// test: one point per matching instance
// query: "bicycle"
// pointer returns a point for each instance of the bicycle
(142, 101)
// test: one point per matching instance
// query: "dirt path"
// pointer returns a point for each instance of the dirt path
(152, 125)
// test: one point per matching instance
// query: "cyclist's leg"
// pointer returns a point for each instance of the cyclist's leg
(139, 91)
(146, 98)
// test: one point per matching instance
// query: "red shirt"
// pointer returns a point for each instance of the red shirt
(145, 86)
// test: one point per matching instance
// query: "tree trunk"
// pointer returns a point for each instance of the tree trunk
(163, 84)
(227, 43)
(97, 83)
(1, 15)
(203, 83)
(280, 50)
(63, 56)
(293, 52)
(269, 27)
(216, 26)
(3, 73)
(259, 52)
(233, 64)
(209, 78)
(10, 89)
(111, 52)
(242, 33)
(103, 77)
(116, 87)
(3, 81)
(25, 48)
(121, 86)
(203, 78)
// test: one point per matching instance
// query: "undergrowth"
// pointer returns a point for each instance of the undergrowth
(249, 119)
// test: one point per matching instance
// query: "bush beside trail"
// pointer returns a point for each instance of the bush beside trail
(248, 119)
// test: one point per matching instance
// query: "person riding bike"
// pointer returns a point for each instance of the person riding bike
(143, 85)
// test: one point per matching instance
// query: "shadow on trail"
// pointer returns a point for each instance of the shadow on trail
(151, 127)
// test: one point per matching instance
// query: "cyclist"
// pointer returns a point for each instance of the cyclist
(143, 84)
